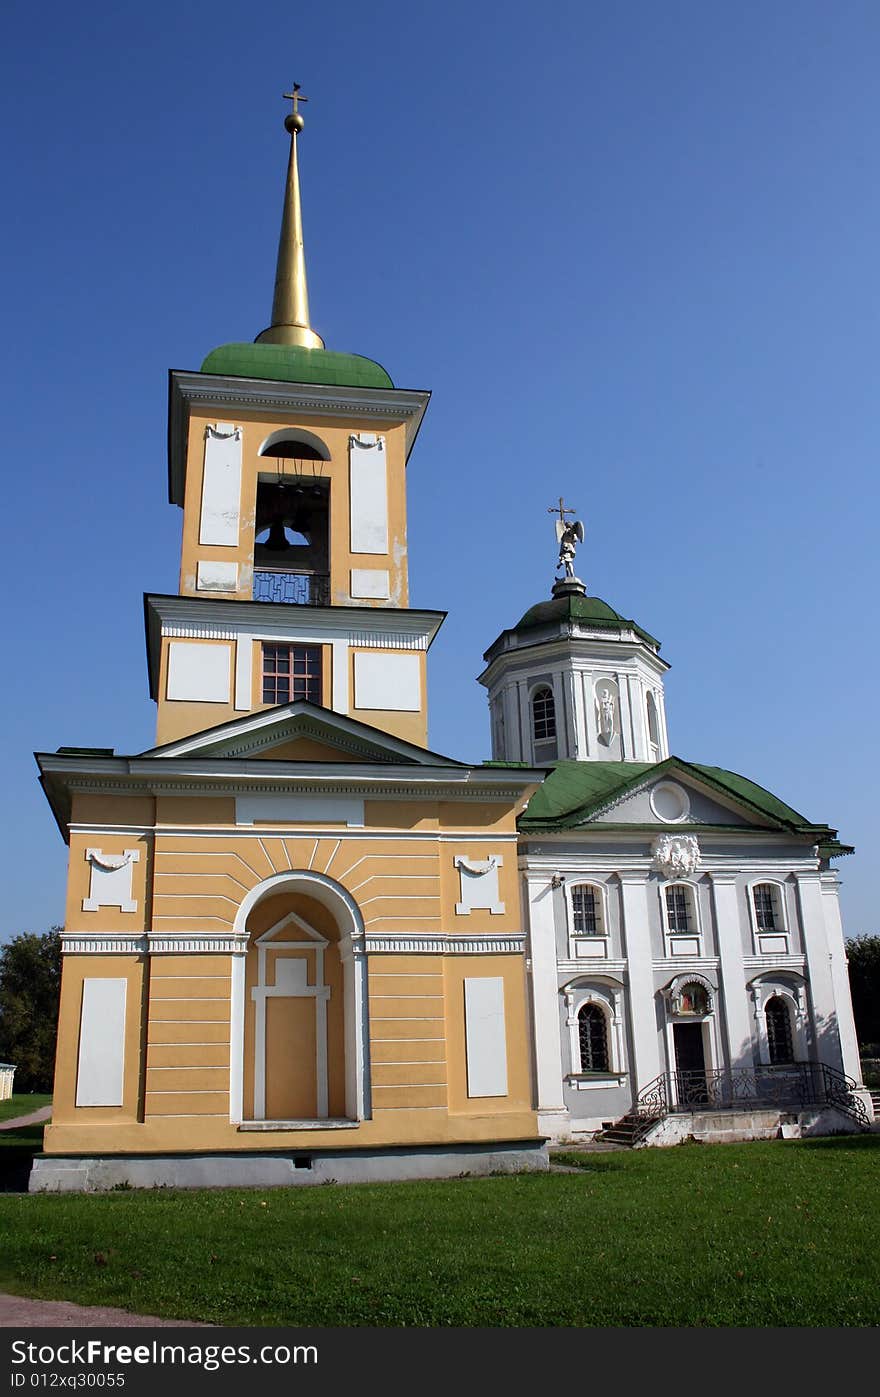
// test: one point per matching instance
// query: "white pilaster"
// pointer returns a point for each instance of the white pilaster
(739, 1039)
(846, 1025)
(627, 748)
(819, 970)
(545, 1004)
(642, 1009)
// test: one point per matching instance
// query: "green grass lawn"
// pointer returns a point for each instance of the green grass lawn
(21, 1105)
(781, 1233)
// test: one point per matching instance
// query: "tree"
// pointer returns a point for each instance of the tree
(30, 984)
(863, 954)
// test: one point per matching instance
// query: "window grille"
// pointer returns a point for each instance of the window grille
(585, 911)
(593, 1036)
(678, 908)
(778, 1031)
(765, 907)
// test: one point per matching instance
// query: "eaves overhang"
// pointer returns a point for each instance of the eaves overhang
(61, 775)
(223, 393)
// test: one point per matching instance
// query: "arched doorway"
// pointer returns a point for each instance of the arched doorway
(299, 1004)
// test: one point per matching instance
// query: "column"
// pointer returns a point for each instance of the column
(640, 970)
(545, 1005)
(739, 1039)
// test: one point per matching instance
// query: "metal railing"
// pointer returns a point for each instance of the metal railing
(291, 588)
(791, 1087)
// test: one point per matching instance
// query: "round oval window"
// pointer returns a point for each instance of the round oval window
(670, 803)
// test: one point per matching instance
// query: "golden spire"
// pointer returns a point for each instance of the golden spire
(290, 306)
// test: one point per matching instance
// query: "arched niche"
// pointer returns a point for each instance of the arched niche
(299, 1003)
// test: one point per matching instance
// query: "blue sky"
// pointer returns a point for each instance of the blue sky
(631, 249)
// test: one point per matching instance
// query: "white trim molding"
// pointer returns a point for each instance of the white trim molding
(115, 943)
(447, 944)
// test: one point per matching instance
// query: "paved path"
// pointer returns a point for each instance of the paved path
(16, 1312)
(33, 1119)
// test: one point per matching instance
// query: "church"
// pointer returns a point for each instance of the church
(301, 946)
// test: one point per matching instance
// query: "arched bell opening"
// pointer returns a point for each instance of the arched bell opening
(292, 519)
(301, 1010)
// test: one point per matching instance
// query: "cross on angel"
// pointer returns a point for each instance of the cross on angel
(569, 533)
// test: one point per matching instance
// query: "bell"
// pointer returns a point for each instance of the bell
(277, 540)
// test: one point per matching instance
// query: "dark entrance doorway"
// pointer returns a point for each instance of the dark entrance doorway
(690, 1066)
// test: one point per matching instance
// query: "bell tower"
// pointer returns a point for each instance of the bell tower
(573, 679)
(288, 461)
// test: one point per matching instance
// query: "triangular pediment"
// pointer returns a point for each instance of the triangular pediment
(300, 732)
(663, 794)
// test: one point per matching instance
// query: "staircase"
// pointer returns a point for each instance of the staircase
(627, 1131)
(791, 1088)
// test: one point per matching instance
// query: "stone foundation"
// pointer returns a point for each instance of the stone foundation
(96, 1174)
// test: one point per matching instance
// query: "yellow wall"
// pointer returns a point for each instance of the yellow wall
(179, 1008)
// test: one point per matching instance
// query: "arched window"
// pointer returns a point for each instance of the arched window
(680, 915)
(543, 715)
(779, 1041)
(768, 911)
(593, 1037)
(586, 910)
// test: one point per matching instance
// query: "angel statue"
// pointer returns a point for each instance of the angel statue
(568, 534)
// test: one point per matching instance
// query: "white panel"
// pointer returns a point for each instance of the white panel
(773, 945)
(392, 682)
(370, 582)
(110, 880)
(685, 946)
(368, 490)
(244, 664)
(217, 577)
(221, 486)
(290, 974)
(198, 673)
(478, 879)
(101, 1043)
(485, 1041)
(339, 676)
(591, 950)
(317, 810)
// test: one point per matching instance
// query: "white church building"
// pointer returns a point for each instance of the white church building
(687, 963)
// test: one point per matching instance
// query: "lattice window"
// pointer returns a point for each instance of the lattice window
(593, 1038)
(543, 715)
(679, 908)
(291, 672)
(586, 909)
(779, 1041)
(766, 900)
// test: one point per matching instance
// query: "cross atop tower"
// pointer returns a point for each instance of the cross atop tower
(561, 510)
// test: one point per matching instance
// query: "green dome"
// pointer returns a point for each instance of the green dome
(290, 363)
(593, 610)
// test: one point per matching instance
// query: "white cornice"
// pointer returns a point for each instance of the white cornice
(272, 397)
(218, 618)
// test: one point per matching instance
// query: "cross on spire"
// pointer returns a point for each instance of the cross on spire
(561, 510)
(295, 97)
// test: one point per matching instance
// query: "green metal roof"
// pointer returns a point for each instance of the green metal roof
(574, 791)
(289, 363)
(592, 610)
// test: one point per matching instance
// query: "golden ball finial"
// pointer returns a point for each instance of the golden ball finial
(293, 122)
